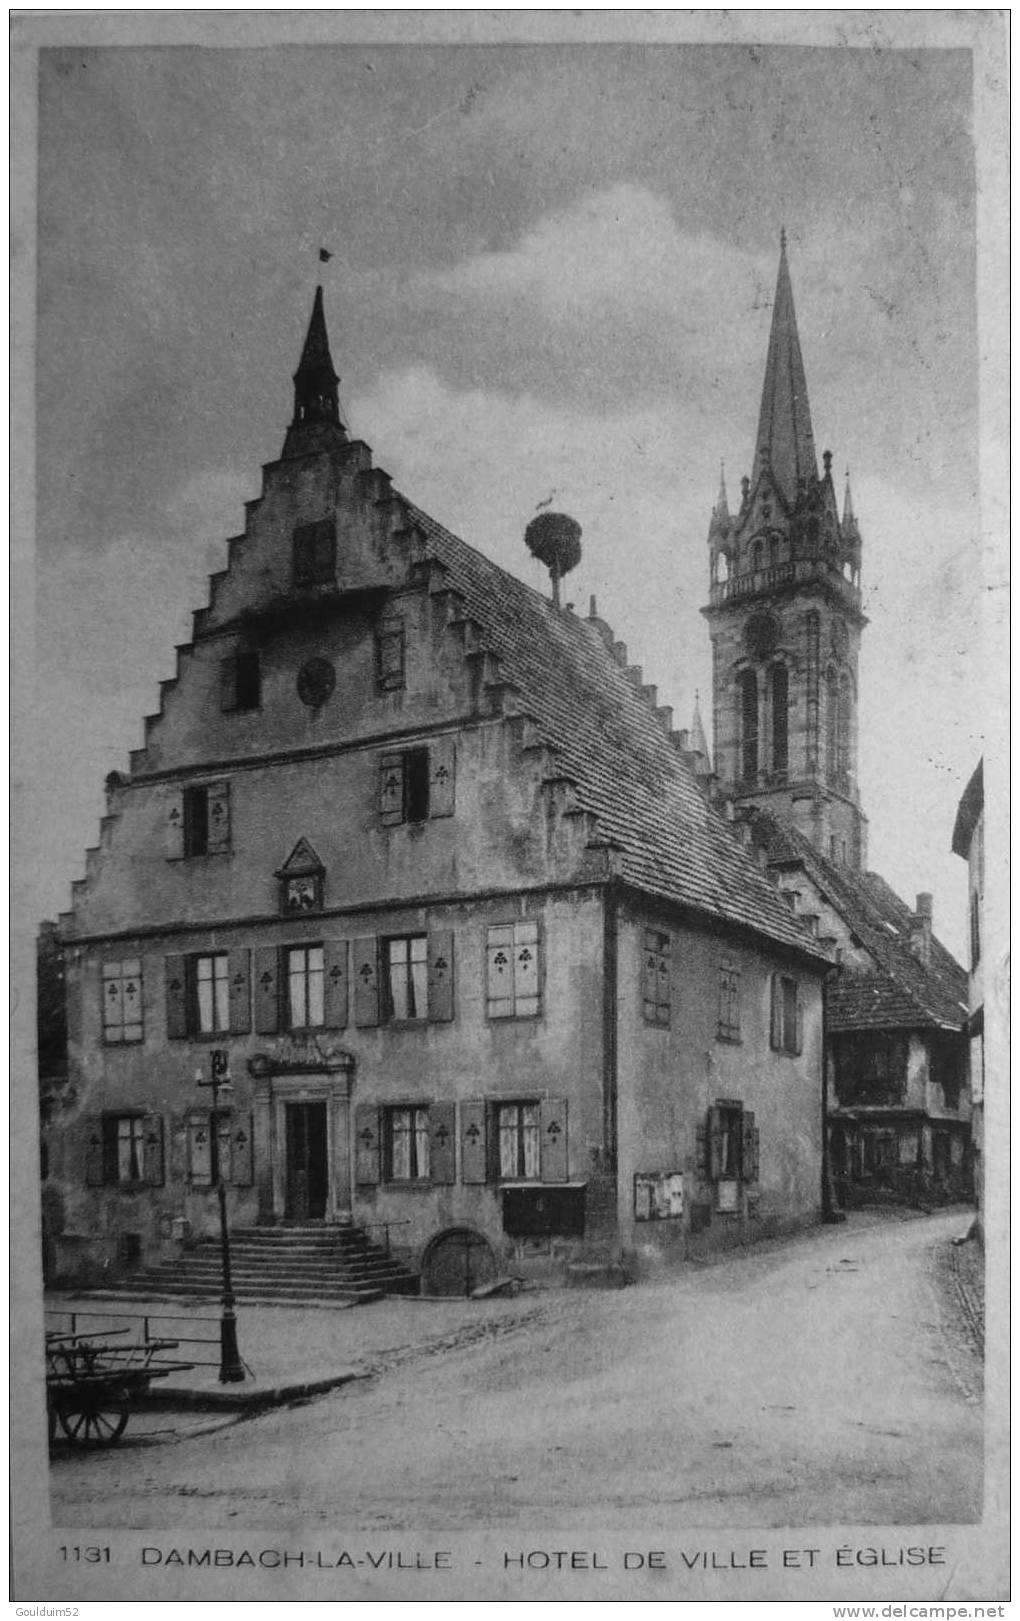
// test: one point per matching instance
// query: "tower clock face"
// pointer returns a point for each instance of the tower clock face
(761, 635)
(315, 682)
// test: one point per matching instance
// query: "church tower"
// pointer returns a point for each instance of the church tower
(785, 618)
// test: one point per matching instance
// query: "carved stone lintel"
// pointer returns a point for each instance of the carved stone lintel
(301, 1055)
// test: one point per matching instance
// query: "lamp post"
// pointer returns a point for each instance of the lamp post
(231, 1366)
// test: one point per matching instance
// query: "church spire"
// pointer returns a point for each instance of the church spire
(785, 442)
(849, 521)
(316, 422)
(722, 509)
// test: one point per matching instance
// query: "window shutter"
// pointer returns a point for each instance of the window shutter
(267, 1000)
(553, 1126)
(649, 976)
(242, 1173)
(440, 969)
(715, 1144)
(701, 1161)
(472, 1141)
(239, 981)
(748, 1148)
(228, 683)
(390, 654)
(499, 995)
(219, 817)
(152, 1150)
(175, 824)
(391, 789)
(442, 1142)
(199, 1135)
(798, 1045)
(113, 1002)
(334, 962)
(176, 998)
(442, 773)
(93, 1150)
(366, 1137)
(664, 997)
(366, 981)
(777, 1012)
(526, 968)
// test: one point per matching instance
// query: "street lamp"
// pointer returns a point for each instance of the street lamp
(231, 1366)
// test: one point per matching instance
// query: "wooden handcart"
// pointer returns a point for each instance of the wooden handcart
(92, 1385)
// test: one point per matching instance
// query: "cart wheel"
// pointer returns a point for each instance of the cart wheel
(93, 1426)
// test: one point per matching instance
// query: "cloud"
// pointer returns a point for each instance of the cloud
(618, 255)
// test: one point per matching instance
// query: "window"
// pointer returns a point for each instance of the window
(406, 985)
(975, 929)
(728, 1025)
(305, 981)
(518, 1139)
(780, 693)
(389, 655)
(513, 971)
(406, 1143)
(122, 1001)
(656, 977)
(870, 1068)
(732, 1144)
(417, 784)
(787, 1017)
(315, 552)
(206, 820)
(241, 682)
(210, 995)
(747, 689)
(124, 1150)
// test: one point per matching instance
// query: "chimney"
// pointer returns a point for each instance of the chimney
(920, 929)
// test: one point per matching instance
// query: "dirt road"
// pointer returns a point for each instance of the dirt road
(827, 1380)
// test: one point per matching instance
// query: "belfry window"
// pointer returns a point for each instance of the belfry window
(747, 688)
(780, 696)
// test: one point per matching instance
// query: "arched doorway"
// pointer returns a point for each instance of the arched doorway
(456, 1262)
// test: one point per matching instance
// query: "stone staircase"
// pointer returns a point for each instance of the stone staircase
(297, 1266)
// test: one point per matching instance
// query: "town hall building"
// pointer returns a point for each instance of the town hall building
(414, 859)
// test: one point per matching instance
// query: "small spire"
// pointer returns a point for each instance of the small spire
(848, 505)
(785, 442)
(721, 504)
(316, 421)
(699, 742)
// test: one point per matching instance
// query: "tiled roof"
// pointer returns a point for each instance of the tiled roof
(901, 992)
(610, 741)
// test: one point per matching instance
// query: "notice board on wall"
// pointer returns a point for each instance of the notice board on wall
(658, 1195)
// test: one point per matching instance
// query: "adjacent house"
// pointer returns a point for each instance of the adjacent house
(413, 857)
(969, 843)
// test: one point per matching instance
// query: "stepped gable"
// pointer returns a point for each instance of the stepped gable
(612, 742)
(902, 992)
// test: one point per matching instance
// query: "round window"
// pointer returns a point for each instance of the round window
(315, 682)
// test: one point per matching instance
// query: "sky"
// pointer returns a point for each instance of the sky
(551, 281)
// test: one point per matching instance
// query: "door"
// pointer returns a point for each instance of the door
(307, 1162)
(457, 1262)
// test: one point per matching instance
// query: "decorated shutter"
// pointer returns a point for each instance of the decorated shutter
(440, 971)
(442, 773)
(219, 817)
(442, 1142)
(664, 996)
(701, 1160)
(113, 1002)
(175, 824)
(366, 1139)
(777, 1012)
(199, 1136)
(242, 1171)
(228, 682)
(650, 976)
(93, 1150)
(715, 1144)
(499, 994)
(798, 1040)
(334, 962)
(267, 983)
(526, 968)
(176, 998)
(239, 983)
(390, 654)
(152, 1150)
(553, 1128)
(748, 1147)
(391, 789)
(366, 981)
(472, 1141)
